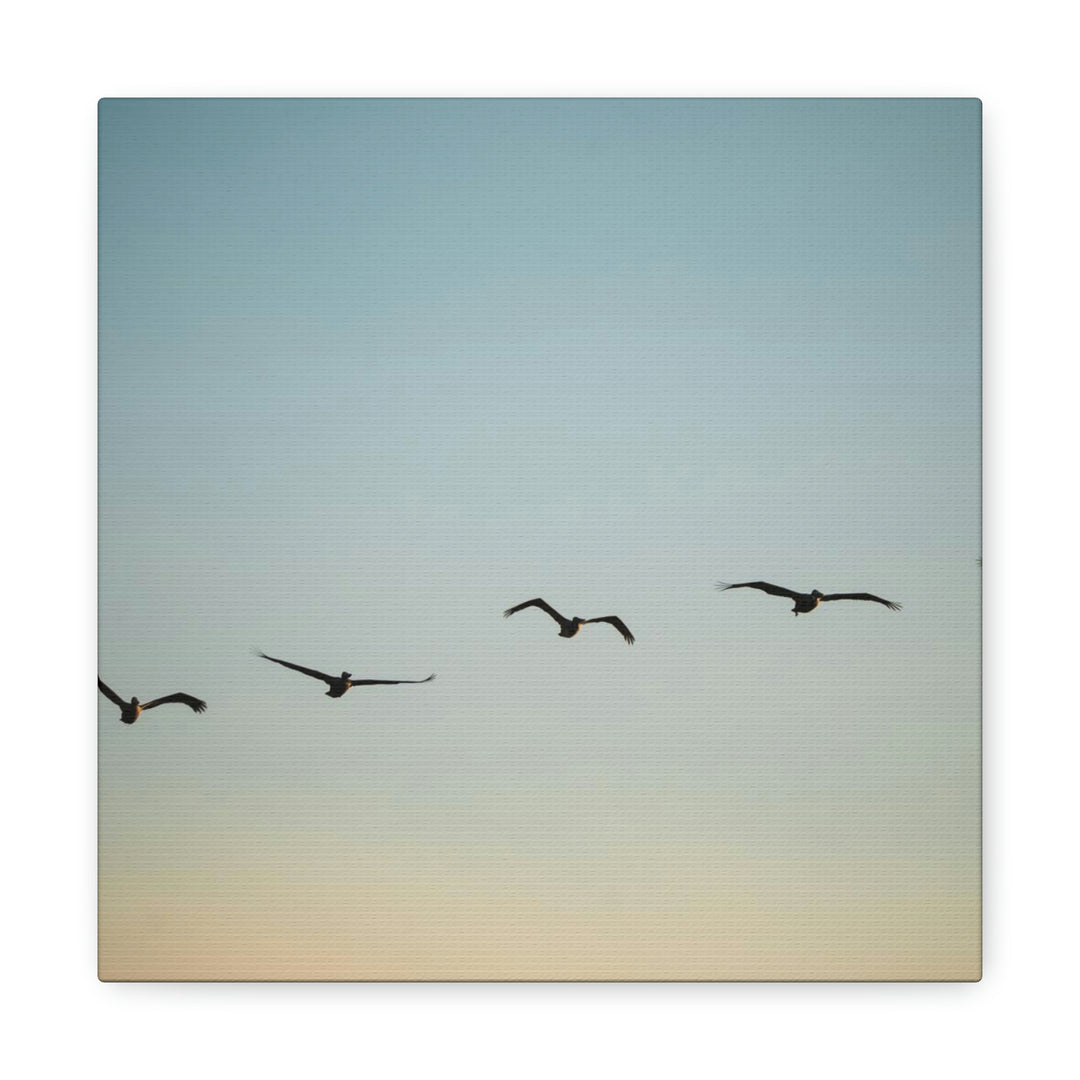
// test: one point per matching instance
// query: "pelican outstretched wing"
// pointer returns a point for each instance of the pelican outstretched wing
(618, 624)
(112, 695)
(181, 699)
(764, 586)
(386, 682)
(328, 679)
(541, 604)
(862, 596)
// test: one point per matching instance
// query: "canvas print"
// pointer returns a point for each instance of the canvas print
(539, 539)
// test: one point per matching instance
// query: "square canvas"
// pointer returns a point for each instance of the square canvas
(689, 389)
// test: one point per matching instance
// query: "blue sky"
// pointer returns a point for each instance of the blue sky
(372, 371)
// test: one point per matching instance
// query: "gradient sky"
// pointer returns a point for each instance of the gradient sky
(374, 370)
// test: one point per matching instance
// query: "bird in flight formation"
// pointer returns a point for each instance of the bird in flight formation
(131, 710)
(339, 684)
(569, 627)
(806, 602)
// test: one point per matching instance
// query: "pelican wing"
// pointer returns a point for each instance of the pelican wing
(618, 624)
(112, 695)
(328, 679)
(181, 699)
(862, 596)
(541, 604)
(764, 586)
(386, 682)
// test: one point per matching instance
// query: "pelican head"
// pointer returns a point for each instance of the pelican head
(815, 593)
(134, 701)
(346, 674)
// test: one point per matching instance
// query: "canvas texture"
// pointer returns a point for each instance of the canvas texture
(374, 372)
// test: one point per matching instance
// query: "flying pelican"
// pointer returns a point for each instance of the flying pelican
(131, 710)
(569, 627)
(340, 683)
(806, 602)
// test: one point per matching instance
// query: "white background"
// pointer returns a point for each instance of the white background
(59, 61)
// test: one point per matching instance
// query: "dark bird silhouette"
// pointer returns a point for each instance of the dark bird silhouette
(806, 602)
(339, 684)
(569, 627)
(131, 710)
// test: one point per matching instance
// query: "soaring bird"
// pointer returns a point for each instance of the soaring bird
(340, 683)
(569, 627)
(806, 602)
(131, 710)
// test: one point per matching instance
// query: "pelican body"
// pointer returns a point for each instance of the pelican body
(340, 685)
(806, 602)
(130, 712)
